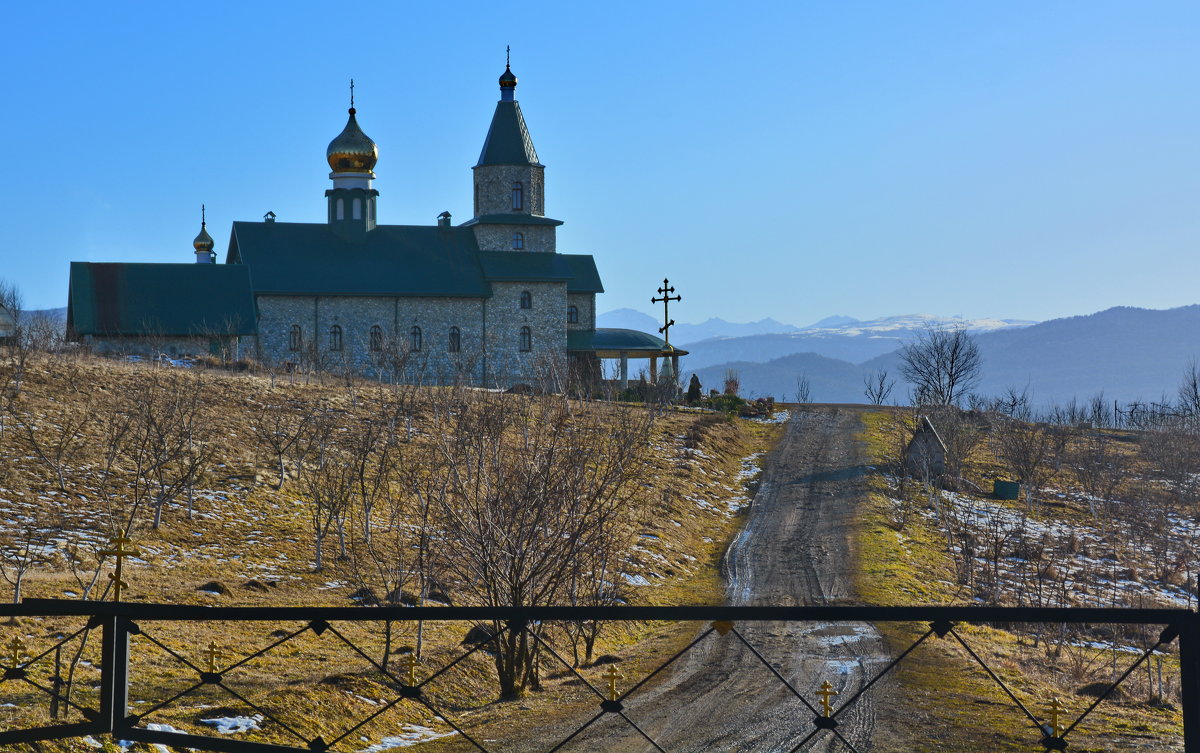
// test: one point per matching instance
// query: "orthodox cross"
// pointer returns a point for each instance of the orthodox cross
(666, 291)
(825, 692)
(408, 663)
(212, 655)
(351, 94)
(612, 675)
(507, 55)
(201, 215)
(121, 547)
(1056, 708)
(17, 648)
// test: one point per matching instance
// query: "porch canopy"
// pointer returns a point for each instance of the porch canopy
(624, 344)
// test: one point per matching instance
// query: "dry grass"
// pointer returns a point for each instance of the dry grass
(940, 686)
(255, 542)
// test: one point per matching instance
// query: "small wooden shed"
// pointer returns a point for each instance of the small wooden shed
(925, 456)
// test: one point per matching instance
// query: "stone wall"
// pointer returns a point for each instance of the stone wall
(538, 238)
(545, 363)
(396, 355)
(586, 303)
(233, 348)
(493, 189)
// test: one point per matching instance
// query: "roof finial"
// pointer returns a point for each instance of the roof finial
(202, 223)
(507, 55)
(351, 95)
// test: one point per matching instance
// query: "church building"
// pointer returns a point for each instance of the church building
(489, 302)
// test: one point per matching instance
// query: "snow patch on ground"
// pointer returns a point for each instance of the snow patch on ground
(412, 734)
(229, 725)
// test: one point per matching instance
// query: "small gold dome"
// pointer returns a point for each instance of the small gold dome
(352, 151)
(508, 79)
(204, 243)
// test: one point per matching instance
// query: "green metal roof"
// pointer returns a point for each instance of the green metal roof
(578, 270)
(508, 141)
(287, 258)
(511, 219)
(616, 340)
(159, 299)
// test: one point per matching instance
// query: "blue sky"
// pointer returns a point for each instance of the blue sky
(792, 160)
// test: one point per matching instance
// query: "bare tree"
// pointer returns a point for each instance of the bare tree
(877, 386)
(803, 389)
(534, 484)
(1030, 451)
(279, 427)
(27, 546)
(942, 365)
(58, 441)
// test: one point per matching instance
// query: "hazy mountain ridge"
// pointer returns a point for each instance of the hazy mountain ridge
(855, 342)
(1128, 353)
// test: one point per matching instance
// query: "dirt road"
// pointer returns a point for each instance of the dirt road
(793, 551)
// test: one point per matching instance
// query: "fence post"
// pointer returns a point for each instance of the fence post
(122, 629)
(1189, 680)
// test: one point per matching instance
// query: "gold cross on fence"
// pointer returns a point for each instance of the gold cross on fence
(408, 663)
(120, 547)
(612, 675)
(212, 655)
(17, 647)
(825, 692)
(1056, 709)
(668, 322)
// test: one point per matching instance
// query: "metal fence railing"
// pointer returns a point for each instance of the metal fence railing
(97, 699)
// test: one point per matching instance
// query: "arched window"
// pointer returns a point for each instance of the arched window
(526, 339)
(414, 339)
(341, 209)
(455, 341)
(357, 210)
(518, 196)
(335, 337)
(526, 300)
(518, 241)
(295, 339)
(572, 314)
(376, 338)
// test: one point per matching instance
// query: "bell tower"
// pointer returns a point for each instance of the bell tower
(510, 186)
(352, 157)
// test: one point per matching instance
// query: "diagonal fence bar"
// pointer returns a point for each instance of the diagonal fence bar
(117, 621)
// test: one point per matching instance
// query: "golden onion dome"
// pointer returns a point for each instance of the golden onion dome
(204, 243)
(508, 79)
(352, 151)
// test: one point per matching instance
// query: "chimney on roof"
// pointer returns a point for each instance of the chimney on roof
(444, 219)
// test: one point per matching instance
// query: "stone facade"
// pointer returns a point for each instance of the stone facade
(508, 362)
(231, 348)
(396, 351)
(493, 189)
(585, 305)
(537, 238)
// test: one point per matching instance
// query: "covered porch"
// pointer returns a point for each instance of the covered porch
(587, 347)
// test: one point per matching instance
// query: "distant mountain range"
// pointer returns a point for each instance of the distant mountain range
(842, 337)
(1128, 353)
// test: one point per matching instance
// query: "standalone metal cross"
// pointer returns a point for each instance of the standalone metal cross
(16, 648)
(121, 547)
(825, 692)
(1056, 708)
(213, 654)
(612, 675)
(668, 322)
(408, 663)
